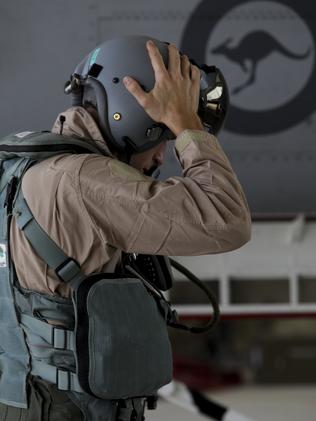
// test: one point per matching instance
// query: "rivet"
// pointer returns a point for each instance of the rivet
(115, 80)
(117, 116)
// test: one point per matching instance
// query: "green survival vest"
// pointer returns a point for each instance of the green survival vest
(113, 344)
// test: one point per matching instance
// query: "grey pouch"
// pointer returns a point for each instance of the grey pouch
(122, 344)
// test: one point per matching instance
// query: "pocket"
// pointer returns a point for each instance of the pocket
(10, 413)
(65, 411)
(62, 407)
(36, 402)
(3, 411)
(122, 343)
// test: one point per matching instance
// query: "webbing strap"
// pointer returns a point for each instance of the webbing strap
(66, 268)
(43, 337)
(65, 380)
(6, 176)
(57, 337)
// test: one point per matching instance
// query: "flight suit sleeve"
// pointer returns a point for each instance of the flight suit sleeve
(202, 212)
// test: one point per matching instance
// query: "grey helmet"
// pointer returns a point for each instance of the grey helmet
(98, 79)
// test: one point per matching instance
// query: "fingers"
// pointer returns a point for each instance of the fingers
(177, 66)
(174, 65)
(135, 89)
(195, 75)
(185, 67)
(195, 79)
(156, 60)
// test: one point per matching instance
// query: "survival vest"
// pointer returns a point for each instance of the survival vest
(113, 343)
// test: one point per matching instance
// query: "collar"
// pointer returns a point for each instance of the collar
(80, 123)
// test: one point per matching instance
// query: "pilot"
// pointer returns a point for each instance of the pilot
(130, 96)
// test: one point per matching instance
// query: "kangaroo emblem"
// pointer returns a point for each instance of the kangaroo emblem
(253, 48)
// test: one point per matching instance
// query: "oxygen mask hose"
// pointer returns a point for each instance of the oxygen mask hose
(213, 322)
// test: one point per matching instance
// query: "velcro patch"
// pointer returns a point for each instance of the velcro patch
(3, 256)
(22, 134)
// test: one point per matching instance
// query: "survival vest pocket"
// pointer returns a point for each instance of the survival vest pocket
(122, 345)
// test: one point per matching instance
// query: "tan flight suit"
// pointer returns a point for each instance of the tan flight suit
(95, 206)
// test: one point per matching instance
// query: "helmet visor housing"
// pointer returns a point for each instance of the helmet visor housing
(214, 98)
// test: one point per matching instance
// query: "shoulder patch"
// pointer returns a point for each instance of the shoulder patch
(128, 173)
(195, 136)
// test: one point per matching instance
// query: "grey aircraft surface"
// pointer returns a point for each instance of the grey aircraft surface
(266, 50)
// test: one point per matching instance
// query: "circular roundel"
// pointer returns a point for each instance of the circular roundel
(266, 50)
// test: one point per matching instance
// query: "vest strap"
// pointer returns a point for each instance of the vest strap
(64, 380)
(67, 269)
(44, 338)
(56, 337)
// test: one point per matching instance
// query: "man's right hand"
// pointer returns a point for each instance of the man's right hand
(174, 99)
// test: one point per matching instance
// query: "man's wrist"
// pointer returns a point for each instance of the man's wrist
(190, 124)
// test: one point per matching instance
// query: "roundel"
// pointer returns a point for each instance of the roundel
(266, 50)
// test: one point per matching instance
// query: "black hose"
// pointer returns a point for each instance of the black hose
(212, 323)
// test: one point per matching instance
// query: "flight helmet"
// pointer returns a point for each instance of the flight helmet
(98, 79)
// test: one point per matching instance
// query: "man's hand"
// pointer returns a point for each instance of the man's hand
(174, 99)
